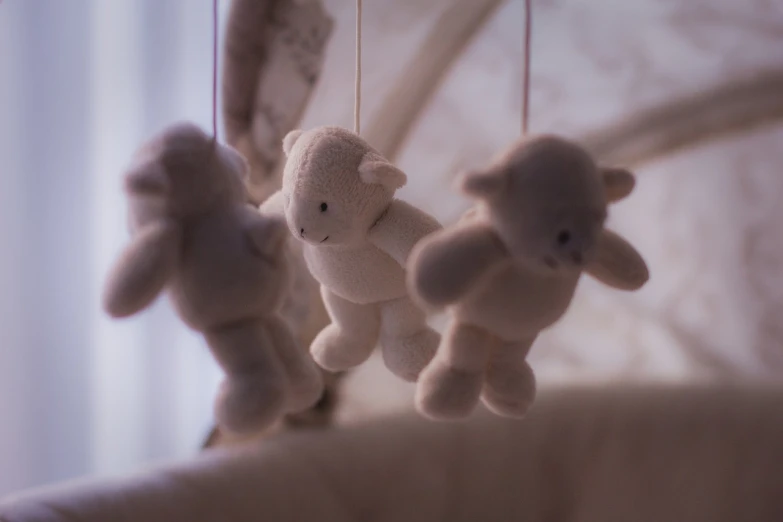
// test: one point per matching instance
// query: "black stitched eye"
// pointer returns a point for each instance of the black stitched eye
(563, 237)
(324, 206)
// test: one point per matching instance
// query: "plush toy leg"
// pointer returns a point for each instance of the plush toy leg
(449, 388)
(352, 336)
(304, 378)
(510, 385)
(408, 344)
(255, 389)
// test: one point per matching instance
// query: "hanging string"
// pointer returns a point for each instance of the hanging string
(357, 102)
(214, 66)
(526, 69)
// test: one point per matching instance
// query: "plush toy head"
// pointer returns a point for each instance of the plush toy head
(188, 171)
(335, 185)
(546, 200)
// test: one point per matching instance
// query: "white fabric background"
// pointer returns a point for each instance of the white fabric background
(83, 82)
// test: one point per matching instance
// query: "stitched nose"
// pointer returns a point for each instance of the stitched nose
(301, 232)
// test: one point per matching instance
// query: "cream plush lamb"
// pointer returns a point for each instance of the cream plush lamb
(510, 267)
(193, 233)
(338, 198)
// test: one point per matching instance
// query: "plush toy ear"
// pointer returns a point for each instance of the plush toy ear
(290, 140)
(377, 170)
(148, 179)
(481, 184)
(618, 183)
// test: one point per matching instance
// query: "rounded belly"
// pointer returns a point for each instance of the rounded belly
(361, 275)
(515, 304)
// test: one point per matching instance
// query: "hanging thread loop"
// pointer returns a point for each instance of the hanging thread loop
(526, 68)
(358, 82)
(214, 66)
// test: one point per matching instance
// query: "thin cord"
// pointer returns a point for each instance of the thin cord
(357, 102)
(526, 70)
(214, 66)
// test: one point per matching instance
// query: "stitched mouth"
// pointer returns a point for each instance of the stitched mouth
(324, 239)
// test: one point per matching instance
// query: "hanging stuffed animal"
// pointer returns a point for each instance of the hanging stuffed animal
(338, 198)
(222, 264)
(509, 269)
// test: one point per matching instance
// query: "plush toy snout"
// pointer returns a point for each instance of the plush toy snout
(320, 220)
(310, 220)
(568, 247)
(573, 247)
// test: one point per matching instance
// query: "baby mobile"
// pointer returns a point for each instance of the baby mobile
(509, 268)
(222, 264)
(503, 273)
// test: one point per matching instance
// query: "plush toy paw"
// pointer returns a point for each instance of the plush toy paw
(335, 351)
(250, 402)
(509, 389)
(445, 393)
(406, 356)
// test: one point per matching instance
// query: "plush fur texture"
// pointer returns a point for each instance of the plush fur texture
(510, 267)
(222, 264)
(338, 199)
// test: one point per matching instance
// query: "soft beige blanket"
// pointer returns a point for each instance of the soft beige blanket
(587, 454)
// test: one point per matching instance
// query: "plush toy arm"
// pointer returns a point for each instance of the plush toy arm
(142, 269)
(273, 205)
(267, 234)
(446, 265)
(400, 228)
(618, 264)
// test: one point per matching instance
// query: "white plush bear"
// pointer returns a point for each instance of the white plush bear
(510, 267)
(338, 199)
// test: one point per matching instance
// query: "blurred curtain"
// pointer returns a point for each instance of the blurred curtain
(82, 84)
